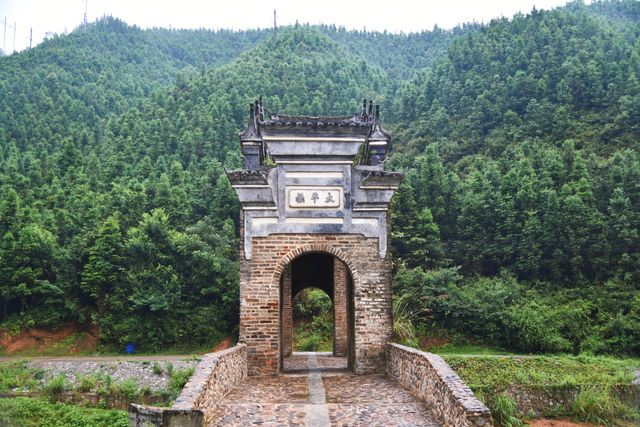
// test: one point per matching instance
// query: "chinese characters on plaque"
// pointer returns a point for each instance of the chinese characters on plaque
(325, 198)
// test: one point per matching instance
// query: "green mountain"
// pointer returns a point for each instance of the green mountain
(548, 76)
(522, 154)
(517, 223)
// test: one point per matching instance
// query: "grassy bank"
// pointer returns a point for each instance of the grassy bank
(496, 371)
(26, 412)
(18, 377)
(593, 377)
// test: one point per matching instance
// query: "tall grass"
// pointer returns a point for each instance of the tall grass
(177, 380)
(56, 386)
(404, 321)
(505, 411)
(597, 405)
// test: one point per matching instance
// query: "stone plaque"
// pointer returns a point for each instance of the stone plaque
(314, 197)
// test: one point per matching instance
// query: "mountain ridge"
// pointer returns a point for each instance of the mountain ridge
(519, 139)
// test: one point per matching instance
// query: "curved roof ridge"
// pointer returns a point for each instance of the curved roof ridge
(283, 119)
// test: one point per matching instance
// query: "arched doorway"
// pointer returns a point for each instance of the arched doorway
(329, 274)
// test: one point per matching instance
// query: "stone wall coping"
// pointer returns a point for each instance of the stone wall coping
(216, 374)
(151, 416)
(467, 405)
(199, 381)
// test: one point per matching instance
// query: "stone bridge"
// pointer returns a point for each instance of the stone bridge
(315, 202)
(317, 389)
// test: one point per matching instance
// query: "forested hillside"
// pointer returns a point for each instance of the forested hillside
(517, 224)
(522, 152)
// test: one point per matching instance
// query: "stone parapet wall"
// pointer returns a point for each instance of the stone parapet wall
(216, 374)
(430, 378)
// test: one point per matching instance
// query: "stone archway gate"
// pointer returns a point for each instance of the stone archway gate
(325, 191)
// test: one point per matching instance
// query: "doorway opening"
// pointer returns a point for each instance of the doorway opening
(312, 321)
(316, 313)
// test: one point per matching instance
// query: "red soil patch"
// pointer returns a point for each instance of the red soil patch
(559, 423)
(69, 339)
(224, 344)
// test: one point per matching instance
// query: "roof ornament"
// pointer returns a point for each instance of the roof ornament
(377, 132)
(253, 151)
(261, 109)
(377, 141)
(251, 131)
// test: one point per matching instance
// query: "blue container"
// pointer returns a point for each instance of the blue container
(130, 349)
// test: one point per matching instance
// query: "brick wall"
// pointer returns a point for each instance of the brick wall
(430, 378)
(340, 304)
(260, 295)
(287, 312)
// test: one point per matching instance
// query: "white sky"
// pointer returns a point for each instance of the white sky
(58, 16)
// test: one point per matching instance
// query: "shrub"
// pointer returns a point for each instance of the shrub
(56, 386)
(87, 383)
(104, 383)
(309, 342)
(156, 368)
(178, 378)
(129, 389)
(533, 330)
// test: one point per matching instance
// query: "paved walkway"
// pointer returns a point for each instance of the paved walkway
(322, 397)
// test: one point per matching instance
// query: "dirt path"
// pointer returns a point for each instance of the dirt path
(123, 358)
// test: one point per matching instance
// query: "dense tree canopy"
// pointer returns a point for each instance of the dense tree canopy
(517, 223)
(523, 143)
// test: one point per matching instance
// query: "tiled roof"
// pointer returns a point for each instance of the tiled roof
(356, 120)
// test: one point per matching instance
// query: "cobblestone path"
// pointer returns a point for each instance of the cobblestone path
(322, 397)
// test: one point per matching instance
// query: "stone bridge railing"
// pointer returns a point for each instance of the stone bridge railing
(430, 378)
(216, 374)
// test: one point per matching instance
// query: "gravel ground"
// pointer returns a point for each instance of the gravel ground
(141, 371)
